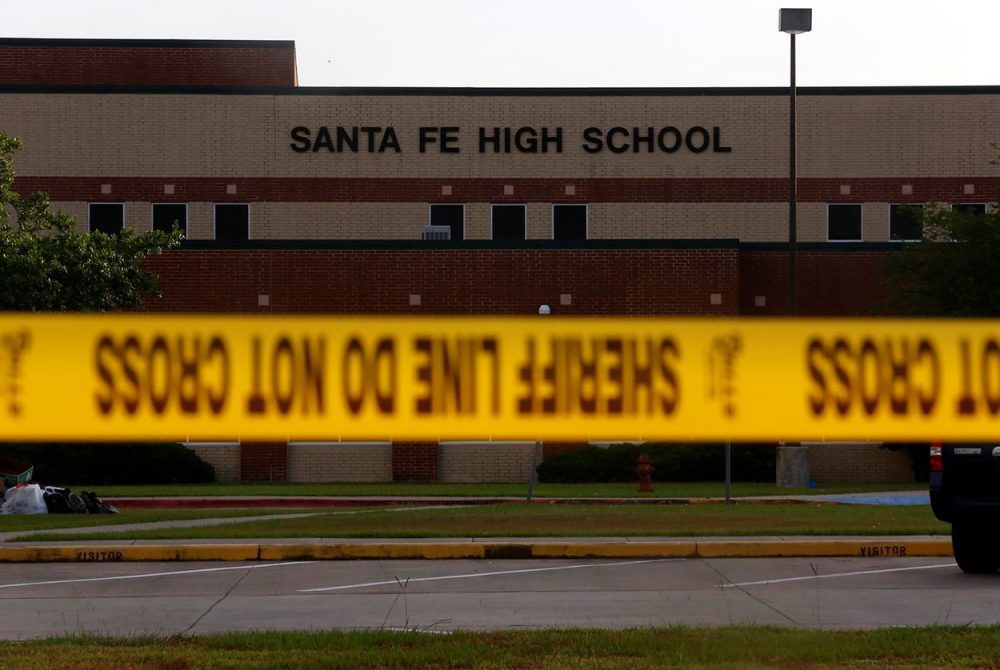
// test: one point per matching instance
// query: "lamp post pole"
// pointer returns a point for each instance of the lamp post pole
(793, 459)
(793, 22)
(793, 197)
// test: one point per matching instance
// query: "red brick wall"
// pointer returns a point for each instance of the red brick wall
(654, 281)
(847, 283)
(85, 63)
(414, 461)
(263, 462)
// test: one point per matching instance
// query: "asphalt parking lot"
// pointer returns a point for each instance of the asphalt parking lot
(438, 596)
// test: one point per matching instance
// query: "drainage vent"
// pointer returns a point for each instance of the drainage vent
(508, 551)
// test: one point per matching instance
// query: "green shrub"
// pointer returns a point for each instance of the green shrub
(673, 463)
(58, 464)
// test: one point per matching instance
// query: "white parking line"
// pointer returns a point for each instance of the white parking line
(147, 575)
(486, 574)
(837, 574)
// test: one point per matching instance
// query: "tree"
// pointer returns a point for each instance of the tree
(953, 271)
(47, 265)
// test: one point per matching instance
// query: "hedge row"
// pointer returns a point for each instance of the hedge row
(58, 464)
(673, 463)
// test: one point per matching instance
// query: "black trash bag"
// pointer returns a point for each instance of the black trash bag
(95, 505)
(57, 500)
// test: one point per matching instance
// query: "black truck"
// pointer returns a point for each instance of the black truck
(965, 492)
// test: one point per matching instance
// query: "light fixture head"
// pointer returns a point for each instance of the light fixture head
(795, 21)
(544, 310)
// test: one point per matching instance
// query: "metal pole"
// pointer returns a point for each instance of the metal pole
(793, 289)
(729, 472)
(532, 475)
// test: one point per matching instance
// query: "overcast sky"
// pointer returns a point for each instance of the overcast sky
(564, 42)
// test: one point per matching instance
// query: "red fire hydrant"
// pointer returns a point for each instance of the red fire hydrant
(645, 471)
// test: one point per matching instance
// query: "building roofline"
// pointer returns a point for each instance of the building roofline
(433, 91)
(144, 44)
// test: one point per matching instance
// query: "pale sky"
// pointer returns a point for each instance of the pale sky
(565, 42)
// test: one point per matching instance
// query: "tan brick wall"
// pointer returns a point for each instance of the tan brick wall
(225, 458)
(853, 462)
(340, 462)
(752, 222)
(485, 462)
(248, 135)
(851, 138)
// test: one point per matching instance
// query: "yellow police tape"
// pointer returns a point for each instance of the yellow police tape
(76, 377)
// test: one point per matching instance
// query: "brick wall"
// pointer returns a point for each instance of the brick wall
(146, 63)
(225, 458)
(857, 463)
(263, 462)
(414, 461)
(339, 462)
(667, 281)
(830, 283)
(486, 462)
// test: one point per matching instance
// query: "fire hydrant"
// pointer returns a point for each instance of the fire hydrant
(645, 471)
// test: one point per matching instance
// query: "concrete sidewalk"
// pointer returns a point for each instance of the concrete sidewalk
(179, 502)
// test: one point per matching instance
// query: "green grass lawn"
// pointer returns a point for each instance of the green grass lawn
(521, 520)
(753, 647)
(662, 489)
(11, 523)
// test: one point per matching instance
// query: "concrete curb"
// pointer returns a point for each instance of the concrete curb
(749, 548)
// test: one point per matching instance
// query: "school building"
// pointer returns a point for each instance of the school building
(634, 202)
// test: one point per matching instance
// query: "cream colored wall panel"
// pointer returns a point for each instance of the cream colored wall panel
(201, 221)
(539, 223)
(141, 135)
(478, 221)
(78, 210)
(751, 222)
(249, 135)
(338, 221)
(339, 462)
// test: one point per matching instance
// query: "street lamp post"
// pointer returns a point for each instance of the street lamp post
(793, 459)
(793, 22)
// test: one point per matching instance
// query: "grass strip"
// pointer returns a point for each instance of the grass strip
(521, 520)
(16, 523)
(662, 489)
(753, 647)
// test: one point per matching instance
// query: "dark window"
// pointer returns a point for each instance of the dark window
(905, 223)
(569, 222)
(232, 222)
(165, 217)
(970, 207)
(452, 216)
(107, 217)
(508, 222)
(843, 222)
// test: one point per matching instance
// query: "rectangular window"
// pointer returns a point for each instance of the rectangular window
(569, 222)
(969, 207)
(509, 222)
(232, 222)
(166, 216)
(452, 216)
(107, 217)
(905, 223)
(843, 223)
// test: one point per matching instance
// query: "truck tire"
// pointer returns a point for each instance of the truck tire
(976, 549)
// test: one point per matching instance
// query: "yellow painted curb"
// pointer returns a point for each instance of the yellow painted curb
(804, 548)
(374, 550)
(614, 550)
(91, 553)
(95, 553)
